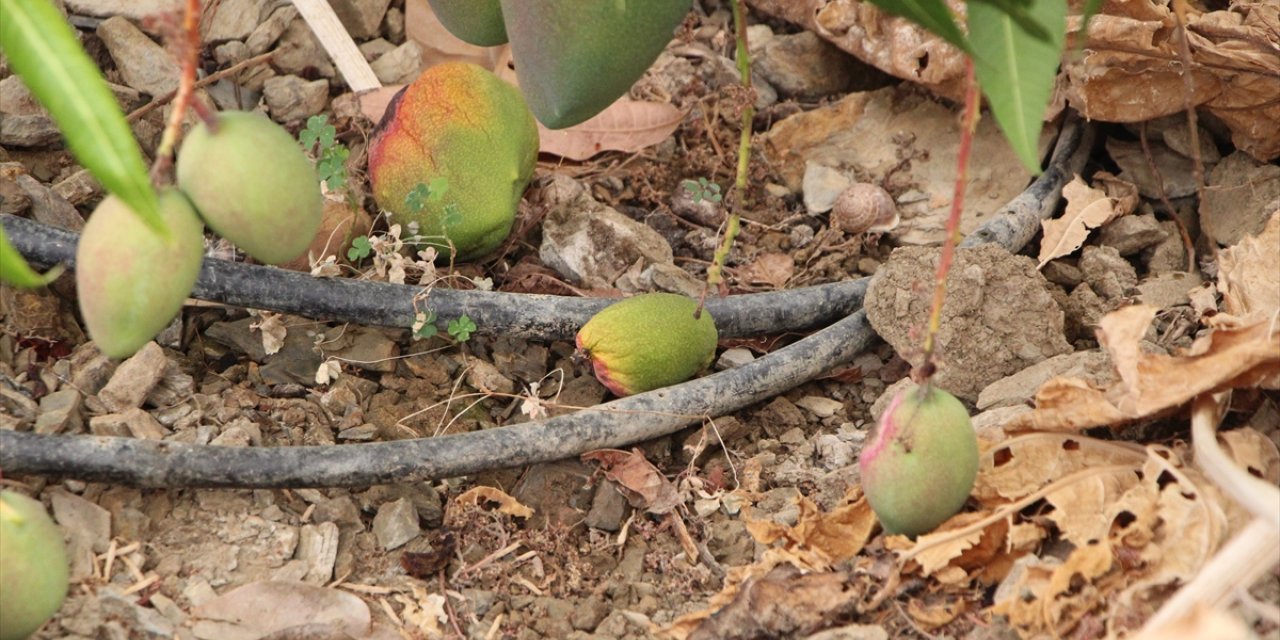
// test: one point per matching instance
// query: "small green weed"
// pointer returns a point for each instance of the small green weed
(702, 189)
(360, 248)
(331, 156)
(461, 328)
(424, 325)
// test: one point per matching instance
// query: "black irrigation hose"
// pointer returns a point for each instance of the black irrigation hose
(517, 315)
(154, 463)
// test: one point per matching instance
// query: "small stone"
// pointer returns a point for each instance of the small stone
(12, 199)
(792, 437)
(1062, 272)
(1020, 388)
(733, 358)
(1237, 198)
(400, 65)
(132, 422)
(134, 378)
(1131, 234)
(833, 453)
(359, 433)
(175, 386)
(820, 406)
(369, 348)
(361, 17)
(267, 33)
(375, 48)
(87, 527)
(1168, 255)
(144, 65)
(1108, 274)
(698, 206)
(852, 632)
(47, 206)
(804, 66)
(608, 508)
(291, 98)
(60, 412)
(299, 52)
(822, 186)
(395, 524)
(483, 376)
(233, 436)
(135, 10)
(233, 20)
(1083, 311)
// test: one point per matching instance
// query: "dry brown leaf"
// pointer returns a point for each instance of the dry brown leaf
(261, 608)
(785, 602)
(1254, 452)
(644, 486)
(1076, 507)
(937, 556)
(626, 125)
(1122, 192)
(834, 536)
(773, 269)
(1087, 209)
(479, 496)
(1022, 465)
(1247, 278)
(935, 610)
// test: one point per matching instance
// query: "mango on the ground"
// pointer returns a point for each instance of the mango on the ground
(130, 280)
(575, 57)
(920, 464)
(453, 154)
(252, 184)
(477, 22)
(648, 341)
(34, 572)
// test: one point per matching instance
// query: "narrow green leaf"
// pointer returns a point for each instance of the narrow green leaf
(930, 14)
(1016, 70)
(15, 271)
(1019, 11)
(43, 49)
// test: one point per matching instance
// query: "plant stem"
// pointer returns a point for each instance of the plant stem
(738, 198)
(187, 42)
(969, 122)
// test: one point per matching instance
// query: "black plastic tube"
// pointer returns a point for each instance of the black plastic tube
(154, 463)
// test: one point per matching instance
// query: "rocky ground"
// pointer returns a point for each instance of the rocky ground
(755, 514)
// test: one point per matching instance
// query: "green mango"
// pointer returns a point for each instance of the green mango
(253, 185)
(646, 342)
(575, 57)
(477, 22)
(34, 572)
(920, 464)
(131, 281)
(453, 154)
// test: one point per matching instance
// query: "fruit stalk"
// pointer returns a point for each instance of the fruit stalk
(187, 45)
(738, 199)
(969, 125)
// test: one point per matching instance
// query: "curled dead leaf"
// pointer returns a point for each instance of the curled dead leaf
(506, 504)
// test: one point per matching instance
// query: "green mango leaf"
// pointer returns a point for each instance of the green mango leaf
(1016, 70)
(930, 14)
(1018, 11)
(43, 49)
(15, 271)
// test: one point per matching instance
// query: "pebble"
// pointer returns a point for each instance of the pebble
(804, 66)
(361, 17)
(144, 65)
(233, 20)
(290, 98)
(822, 186)
(134, 378)
(1131, 234)
(60, 412)
(733, 358)
(820, 406)
(400, 65)
(318, 548)
(395, 524)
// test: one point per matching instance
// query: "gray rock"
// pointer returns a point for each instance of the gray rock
(1131, 234)
(1083, 310)
(376, 48)
(1062, 272)
(483, 376)
(134, 378)
(805, 66)
(1020, 388)
(318, 548)
(1169, 254)
(608, 508)
(735, 357)
(393, 24)
(233, 20)
(135, 10)
(132, 422)
(395, 524)
(1108, 274)
(592, 244)
(144, 65)
(13, 200)
(269, 32)
(400, 65)
(822, 186)
(1177, 172)
(90, 368)
(663, 276)
(291, 98)
(833, 453)
(1238, 198)
(48, 207)
(23, 122)
(361, 17)
(60, 412)
(820, 406)
(998, 318)
(87, 527)
(298, 51)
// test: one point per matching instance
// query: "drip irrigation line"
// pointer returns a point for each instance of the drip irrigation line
(158, 463)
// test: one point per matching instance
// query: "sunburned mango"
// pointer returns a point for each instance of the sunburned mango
(252, 184)
(130, 280)
(477, 22)
(453, 154)
(33, 566)
(920, 465)
(575, 57)
(646, 342)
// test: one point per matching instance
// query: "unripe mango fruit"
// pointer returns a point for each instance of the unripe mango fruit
(921, 462)
(130, 280)
(575, 57)
(252, 184)
(461, 126)
(34, 570)
(648, 341)
(477, 22)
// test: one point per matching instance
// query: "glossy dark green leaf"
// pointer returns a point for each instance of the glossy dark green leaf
(15, 271)
(930, 14)
(1017, 70)
(44, 51)
(1019, 11)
